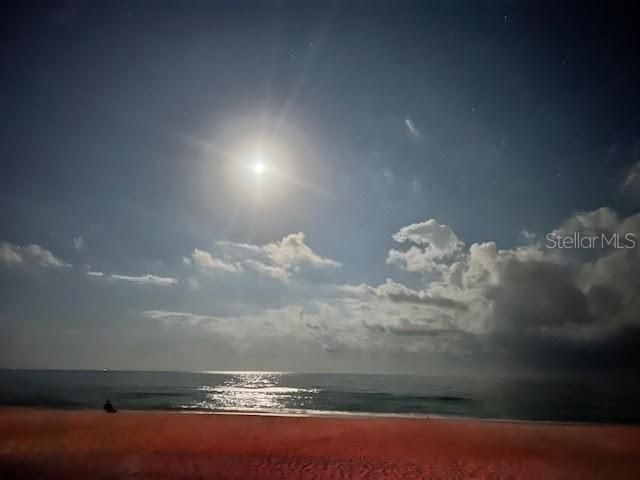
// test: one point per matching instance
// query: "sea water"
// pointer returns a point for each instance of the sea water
(512, 398)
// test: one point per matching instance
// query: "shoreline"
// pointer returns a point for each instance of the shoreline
(330, 414)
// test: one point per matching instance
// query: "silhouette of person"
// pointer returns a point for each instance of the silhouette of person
(108, 407)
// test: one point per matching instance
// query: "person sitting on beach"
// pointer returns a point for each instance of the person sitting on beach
(108, 407)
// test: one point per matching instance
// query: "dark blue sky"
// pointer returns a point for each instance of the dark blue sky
(124, 126)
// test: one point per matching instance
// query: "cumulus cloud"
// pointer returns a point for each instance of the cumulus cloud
(602, 220)
(430, 234)
(538, 299)
(205, 261)
(292, 251)
(10, 253)
(529, 306)
(279, 259)
(32, 254)
(432, 242)
(274, 271)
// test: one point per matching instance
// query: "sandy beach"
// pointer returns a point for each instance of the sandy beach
(51, 444)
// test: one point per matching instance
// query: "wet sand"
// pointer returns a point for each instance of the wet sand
(54, 444)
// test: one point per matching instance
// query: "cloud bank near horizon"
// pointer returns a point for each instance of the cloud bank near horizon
(529, 307)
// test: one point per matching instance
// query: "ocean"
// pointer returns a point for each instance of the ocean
(509, 398)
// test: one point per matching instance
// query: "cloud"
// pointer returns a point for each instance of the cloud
(277, 272)
(527, 236)
(183, 318)
(431, 234)
(292, 251)
(399, 293)
(525, 307)
(31, 254)
(518, 308)
(602, 220)
(410, 329)
(631, 183)
(205, 261)
(79, 243)
(396, 292)
(539, 299)
(147, 279)
(239, 248)
(10, 253)
(279, 259)
(413, 130)
(432, 240)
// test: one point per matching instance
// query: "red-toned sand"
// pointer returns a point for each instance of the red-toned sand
(89, 444)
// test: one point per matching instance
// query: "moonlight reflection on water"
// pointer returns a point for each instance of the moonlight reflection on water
(253, 391)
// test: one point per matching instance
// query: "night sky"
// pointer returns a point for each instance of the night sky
(319, 186)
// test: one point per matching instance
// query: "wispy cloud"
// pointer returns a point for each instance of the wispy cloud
(184, 318)
(527, 236)
(416, 187)
(631, 184)
(411, 126)
(147, 279)
(79, 243)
